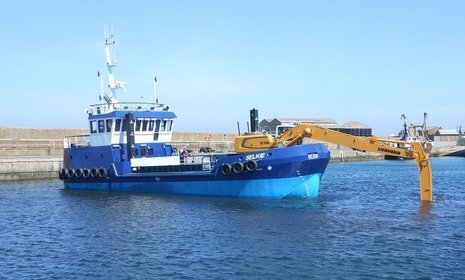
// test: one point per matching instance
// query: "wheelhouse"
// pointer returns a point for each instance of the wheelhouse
(148, 126)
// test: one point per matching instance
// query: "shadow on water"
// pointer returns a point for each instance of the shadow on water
(295, 203)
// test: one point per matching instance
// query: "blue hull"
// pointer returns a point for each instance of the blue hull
(297, 187)
(280, 173)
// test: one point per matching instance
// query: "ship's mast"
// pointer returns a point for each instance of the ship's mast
(155, 99)
(113, 84)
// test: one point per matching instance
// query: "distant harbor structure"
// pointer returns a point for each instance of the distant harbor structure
(438, 134)
(279, 125)
(446, 142)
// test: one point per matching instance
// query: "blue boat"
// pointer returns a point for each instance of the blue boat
(129, 149)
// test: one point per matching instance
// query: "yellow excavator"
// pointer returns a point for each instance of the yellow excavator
(415, 150)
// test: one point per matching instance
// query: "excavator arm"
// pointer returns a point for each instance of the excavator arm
(252, 143)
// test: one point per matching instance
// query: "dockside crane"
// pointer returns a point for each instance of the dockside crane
(263, 141)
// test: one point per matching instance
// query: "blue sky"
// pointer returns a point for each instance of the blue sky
(369, 61)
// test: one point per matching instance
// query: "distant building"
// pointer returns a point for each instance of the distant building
(279, 125)
(446, 135)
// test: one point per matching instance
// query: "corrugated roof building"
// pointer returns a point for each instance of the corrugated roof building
(446, 135)
(279, 125)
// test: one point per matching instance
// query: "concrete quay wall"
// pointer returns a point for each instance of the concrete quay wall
(31, 153)
(37, 153)
(33, 142)
(29, 168)
(34, 153)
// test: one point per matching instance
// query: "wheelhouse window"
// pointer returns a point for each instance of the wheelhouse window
(138, 125)
(151, 125)
(163, 125)
(109, 123)
(101, 126)
(169, 125)
(93, 127)
(145, 124)
(117, 124)
(157, 129)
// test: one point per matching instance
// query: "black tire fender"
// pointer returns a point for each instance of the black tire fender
(226, 169)
(251, 165)
(62, 174)
(70, 173)
(102, 173)
(94, 172)
(238, 167)
(78, 173)
(85, 173)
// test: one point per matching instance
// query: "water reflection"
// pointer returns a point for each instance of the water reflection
(425, 208)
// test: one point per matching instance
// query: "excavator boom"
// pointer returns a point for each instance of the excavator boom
(252, 143)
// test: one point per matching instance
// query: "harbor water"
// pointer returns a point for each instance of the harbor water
(368, 223)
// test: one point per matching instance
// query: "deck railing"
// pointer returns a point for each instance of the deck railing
(195, 146)
(207, 161)
(76, 141)
(133, 106)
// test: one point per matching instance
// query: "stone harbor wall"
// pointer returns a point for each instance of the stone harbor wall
(30, 153)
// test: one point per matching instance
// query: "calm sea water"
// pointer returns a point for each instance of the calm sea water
(368, 223)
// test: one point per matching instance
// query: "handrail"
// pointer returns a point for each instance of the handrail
(136, 106)
(81, 140)
(207, 161)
